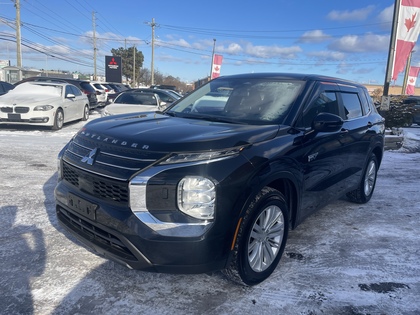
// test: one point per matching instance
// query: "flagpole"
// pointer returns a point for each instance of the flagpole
(407, 71)
(391, 53)
(212, 57)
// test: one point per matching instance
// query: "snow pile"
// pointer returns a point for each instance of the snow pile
(411, 143)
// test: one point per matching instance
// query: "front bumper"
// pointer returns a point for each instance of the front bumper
(116, 233)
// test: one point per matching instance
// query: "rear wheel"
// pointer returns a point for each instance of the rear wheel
(261, 239)
(58, 120)
(367, 185)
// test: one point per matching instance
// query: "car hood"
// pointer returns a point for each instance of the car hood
(28, 100)
(160, 133)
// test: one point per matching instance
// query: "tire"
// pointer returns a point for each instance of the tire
(367, 184)
(261, 239)
(58, 120)
(86, 112)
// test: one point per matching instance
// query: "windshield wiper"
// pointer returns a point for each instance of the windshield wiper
(172, 114)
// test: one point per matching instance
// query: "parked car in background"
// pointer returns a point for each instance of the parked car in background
(217, 180)
(117, 88)
(164, 95)
(5, 87)
(132, 102)
(83, 85)
(43, 104)
(101, 93)
(415, 101)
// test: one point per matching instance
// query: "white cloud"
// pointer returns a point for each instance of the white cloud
(315, 36)
(355, 15)
(327, 55)
(358, 44)
(232, 48)
(386, 15)
(272, 51)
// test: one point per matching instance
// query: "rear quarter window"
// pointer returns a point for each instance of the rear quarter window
(86, 86)
(352, 105)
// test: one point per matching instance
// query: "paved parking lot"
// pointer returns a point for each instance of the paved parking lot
(345, 259)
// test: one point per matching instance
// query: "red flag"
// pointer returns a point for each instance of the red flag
(408, 29)
(411, 81)
(217, 64)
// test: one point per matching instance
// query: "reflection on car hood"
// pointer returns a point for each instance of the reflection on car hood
(28, 100)
(121, 108)
(158, 132)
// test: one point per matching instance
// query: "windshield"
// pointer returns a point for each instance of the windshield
(136, 99)
(251, 101)
(31, 88)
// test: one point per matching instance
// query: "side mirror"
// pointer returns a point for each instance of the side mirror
(326, 122)
(70, 95)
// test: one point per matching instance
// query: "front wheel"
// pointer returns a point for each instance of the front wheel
(261, 239)
(58, 120)
(86, 112)
(367, 185)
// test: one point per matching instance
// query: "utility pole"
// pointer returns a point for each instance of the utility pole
(152, 69)
(134, 66)
(18, 40)
(94, 46)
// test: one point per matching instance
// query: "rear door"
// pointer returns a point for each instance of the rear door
(79, 102)
(357, 133)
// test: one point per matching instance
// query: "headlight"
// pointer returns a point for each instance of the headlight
(201, 156)
(196, 197)
(43, 108)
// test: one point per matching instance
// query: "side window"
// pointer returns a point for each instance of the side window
(367, 102)
(352, 105)
(325, 103)
(68, 90)
(163, 97)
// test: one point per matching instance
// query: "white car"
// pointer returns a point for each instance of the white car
(133, 102)
(43, 104)
(101, 93)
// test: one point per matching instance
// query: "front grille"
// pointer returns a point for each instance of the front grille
(6, 109)
(21, 110)
(17, 109)
(94, 234)
(97, 186)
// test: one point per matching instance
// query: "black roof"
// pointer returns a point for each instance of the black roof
(291, 76)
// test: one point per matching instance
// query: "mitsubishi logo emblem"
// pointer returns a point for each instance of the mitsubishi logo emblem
(90, 158)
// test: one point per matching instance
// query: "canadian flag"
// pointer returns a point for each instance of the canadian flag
(411, 81)
(217, 64)
(408, 28)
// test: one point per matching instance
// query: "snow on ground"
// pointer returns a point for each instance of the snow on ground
(344, 259)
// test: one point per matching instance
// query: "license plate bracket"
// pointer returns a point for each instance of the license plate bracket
(13, 117)
(82, 206)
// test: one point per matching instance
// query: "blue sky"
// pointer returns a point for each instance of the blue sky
(347, 39)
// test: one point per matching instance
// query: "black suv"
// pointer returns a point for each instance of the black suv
(84, 86)
(216, 181)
